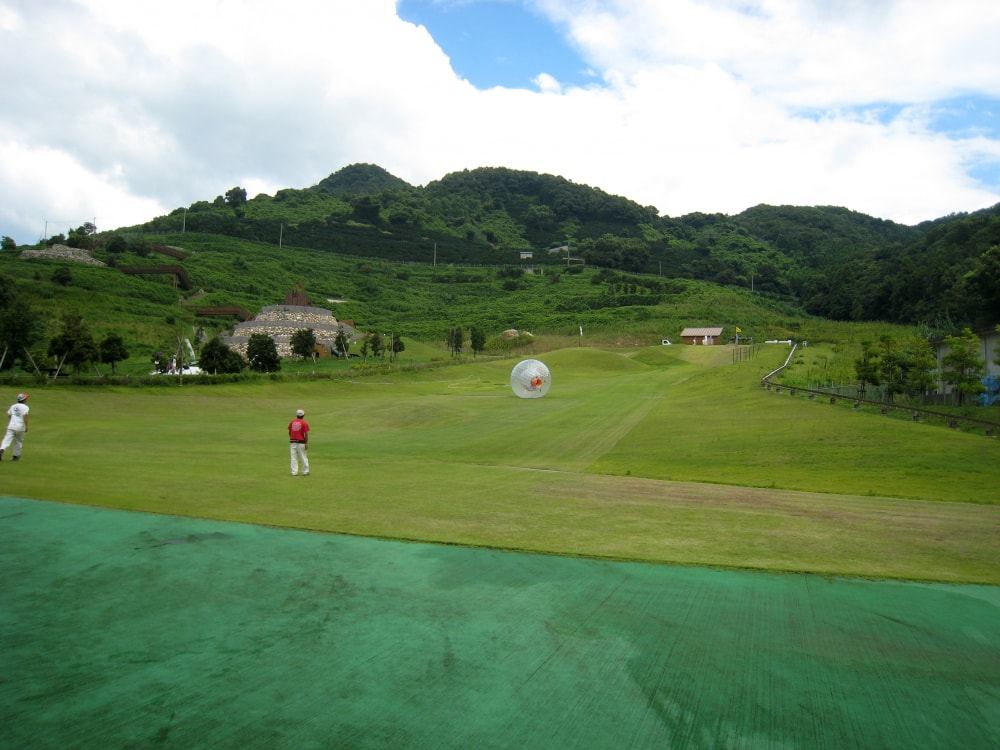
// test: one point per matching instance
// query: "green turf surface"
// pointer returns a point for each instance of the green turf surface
(133, 630)
(667, 454)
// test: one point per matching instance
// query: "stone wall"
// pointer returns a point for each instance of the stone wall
(280, 322)
(62, 252)
(307, 316)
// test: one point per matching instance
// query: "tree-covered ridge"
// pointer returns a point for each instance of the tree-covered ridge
(362, 179)
(946, 276)
(820, 235)
(831, 261)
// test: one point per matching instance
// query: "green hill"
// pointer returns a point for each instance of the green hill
(831, 261)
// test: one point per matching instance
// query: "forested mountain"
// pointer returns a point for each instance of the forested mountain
(831, 261)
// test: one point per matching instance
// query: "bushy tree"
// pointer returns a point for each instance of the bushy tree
(919, 365)
(367, 209)
(113, 351)
(82, 235)
(866, 368)
(62, 276)
(8, 243)
(456, 339)
(373, 344)
(262, 354)
(116, 244)
(20, 325)
(140, 246)
(983, 285)
(74, 345)
(304, 342)
(962, 366)
(378, 346)
(891, 366)
(611, 251)
(341, 342)
(477, 340)
(217, 358)
(397, 347)
(236, 197)
(539, 217)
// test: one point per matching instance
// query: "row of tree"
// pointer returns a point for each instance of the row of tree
(262, 352)
(909, 367)
(73, 346)
(374, 345)
(456, 340)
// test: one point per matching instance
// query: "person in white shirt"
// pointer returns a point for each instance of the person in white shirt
(17, 426)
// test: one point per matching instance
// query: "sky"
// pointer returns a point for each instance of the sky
(117, 111)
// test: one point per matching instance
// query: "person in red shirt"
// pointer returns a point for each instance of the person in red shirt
(298, 437)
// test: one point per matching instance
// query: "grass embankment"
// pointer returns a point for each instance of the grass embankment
(667, 454)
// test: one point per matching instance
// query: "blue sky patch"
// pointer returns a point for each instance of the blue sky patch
(497, 42)
(967, 116)
(986, 173)
(960, 117)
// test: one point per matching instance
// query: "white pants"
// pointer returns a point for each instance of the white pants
(299, 453)
(17, 438)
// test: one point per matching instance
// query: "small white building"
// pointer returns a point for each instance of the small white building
(702, 336)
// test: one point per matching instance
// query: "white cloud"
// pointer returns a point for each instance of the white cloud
(71, 194)
(127, 110)
(818, 54)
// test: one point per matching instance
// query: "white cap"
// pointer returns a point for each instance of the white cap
(300, 413)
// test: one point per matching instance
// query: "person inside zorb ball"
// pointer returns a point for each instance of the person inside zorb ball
(530, 379)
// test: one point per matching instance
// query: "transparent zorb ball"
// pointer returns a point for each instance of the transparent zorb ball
(530, 379)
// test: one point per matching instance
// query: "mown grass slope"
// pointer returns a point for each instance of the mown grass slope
(622, 459)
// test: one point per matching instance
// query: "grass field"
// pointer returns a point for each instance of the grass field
(665, 454)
